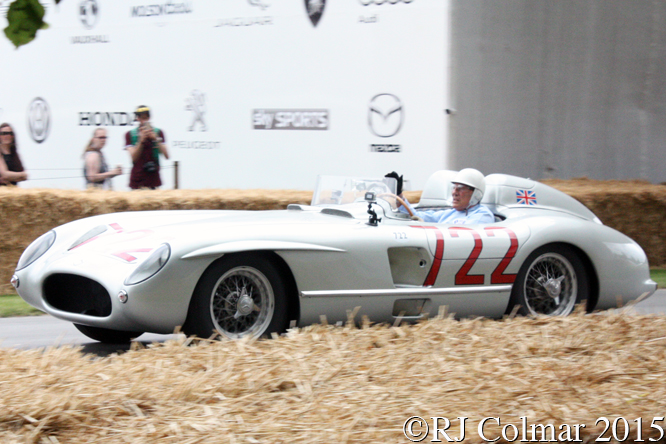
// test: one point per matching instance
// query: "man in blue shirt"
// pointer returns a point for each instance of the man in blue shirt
(468, 188)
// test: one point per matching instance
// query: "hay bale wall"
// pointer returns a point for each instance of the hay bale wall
(634, 208)
(325, 384)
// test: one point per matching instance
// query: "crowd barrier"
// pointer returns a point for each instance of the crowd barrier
(637, 209)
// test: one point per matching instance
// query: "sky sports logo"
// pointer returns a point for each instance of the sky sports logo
(290, 119)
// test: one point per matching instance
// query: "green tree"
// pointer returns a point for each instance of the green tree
(25, 18)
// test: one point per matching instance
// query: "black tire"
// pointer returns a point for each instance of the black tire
(551, 282)
(238, 296)
(108, 336)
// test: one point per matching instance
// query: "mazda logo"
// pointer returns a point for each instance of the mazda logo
(39, 119)
(88, 13)
(385, 115)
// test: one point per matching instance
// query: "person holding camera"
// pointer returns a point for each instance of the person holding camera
(145, 143)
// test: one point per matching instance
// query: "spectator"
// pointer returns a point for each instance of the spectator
(11, 168)
(96, 171)
(145, 143)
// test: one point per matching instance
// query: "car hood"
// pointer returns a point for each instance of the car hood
(133, 235)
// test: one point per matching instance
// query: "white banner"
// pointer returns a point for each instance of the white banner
(355, 87)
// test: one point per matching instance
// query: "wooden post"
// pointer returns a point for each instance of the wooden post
(175, 175)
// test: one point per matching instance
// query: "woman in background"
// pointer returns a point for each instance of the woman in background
(96, 171)
(11, 168)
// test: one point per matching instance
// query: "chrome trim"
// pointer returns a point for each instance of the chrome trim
(410, 291)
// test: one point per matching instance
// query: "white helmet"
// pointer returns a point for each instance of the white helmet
(472, 178)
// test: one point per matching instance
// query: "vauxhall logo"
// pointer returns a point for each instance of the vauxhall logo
(89, 16)
(197, 104)
(315, 9)
(88, 13)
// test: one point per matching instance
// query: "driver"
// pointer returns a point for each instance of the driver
(468, 188)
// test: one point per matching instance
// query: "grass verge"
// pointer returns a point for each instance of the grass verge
(659, 276)
(13, 305)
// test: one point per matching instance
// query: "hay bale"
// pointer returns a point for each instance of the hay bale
(347, 385)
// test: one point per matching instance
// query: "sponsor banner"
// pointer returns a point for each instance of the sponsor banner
(290, 119)
(220, 98)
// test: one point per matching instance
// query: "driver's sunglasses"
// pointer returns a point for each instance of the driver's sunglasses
(6, 133)
(101, 137)
(462, 188)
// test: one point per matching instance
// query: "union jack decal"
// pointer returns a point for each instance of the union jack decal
(526, 197)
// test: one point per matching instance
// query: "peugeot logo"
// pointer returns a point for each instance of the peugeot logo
(315, 9)
(39, 119)
(197, 104)
(385, 115)
(382, 2)
(88, 13)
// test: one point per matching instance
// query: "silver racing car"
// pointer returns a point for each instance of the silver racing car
(252, 273)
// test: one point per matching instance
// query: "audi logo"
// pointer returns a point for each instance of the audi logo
(381, 2)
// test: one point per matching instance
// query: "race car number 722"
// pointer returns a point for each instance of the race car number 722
(462, 276)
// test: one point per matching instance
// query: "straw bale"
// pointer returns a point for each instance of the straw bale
(344, 384)
(633, 207)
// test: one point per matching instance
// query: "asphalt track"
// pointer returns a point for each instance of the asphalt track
(30, 332)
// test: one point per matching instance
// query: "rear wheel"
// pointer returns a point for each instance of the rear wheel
(106, 335)
(551, 282)
(239, 296)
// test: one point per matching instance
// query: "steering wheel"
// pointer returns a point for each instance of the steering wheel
(401, 202)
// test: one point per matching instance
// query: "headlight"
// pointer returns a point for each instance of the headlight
(36, 249)
(150, 266)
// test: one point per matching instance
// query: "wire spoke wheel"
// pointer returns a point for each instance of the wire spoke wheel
(550, 286)
(242, 303)
(551, 282)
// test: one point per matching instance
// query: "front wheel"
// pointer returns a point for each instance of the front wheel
(551, 282)
(239, 296)
(106, 335)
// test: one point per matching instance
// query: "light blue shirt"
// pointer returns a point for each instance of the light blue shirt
(478, 214)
